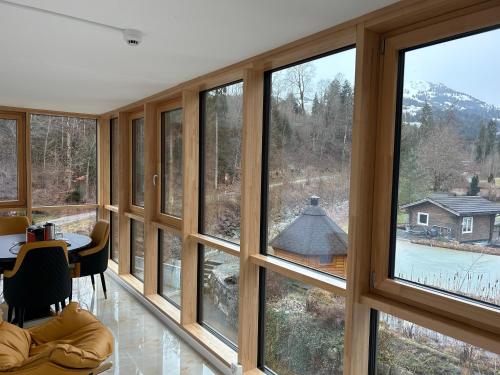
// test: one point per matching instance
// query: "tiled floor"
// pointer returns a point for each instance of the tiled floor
(143, 344)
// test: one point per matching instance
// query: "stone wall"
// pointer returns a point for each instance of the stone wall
(222, 287)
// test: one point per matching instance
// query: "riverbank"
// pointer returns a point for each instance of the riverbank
(457, 246)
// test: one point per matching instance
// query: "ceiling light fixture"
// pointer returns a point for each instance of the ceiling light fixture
(132, 37)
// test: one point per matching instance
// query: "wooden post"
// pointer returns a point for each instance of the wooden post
(190, 144)
(150, 199)
(357, 330)
(250, 218)
(124, 193)
(103, 166)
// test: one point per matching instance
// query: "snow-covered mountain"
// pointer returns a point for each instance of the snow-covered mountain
(467, 112)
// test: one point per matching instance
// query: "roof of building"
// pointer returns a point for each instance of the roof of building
(460, 205)
(312, 233)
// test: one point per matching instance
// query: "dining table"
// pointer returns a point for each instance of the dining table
(9, 248)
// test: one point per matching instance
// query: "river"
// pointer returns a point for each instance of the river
(458, 271)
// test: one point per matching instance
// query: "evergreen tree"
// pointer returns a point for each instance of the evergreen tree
(474, 186)
(489, 143)
(426, 120)
(480, 149)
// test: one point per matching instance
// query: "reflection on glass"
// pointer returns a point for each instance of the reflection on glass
(220, 293)
(406, 348)
(169, 273)
(115, 250)
(137, 249)
(68, 220)
(309, 161)
(12, 212)
(447, 211)
(63, 160)
(303, 328)
(171, 127)
(221, 137)
(8, 160)
(138, 162)
(115, 160)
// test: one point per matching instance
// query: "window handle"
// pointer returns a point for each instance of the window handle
(155, 177)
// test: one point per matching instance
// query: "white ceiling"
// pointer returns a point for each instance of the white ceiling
(54, 63)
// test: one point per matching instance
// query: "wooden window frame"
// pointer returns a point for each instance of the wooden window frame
(483, 317)
(169, 220)
(21, 140)
(131, 118)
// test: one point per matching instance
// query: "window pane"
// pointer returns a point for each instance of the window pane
(303, 328)
(12, 212)
(309, 161)
(68, 220)
(115, 160)
(169, 283)
(137, 249)
(171, 127)
(138, 162)
(221, 169)
(220, 293)
(8, 160)
(63, 160)
(406, 348)
(115, 250)
(447, 223)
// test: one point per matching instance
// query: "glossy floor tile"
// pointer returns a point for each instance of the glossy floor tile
(143, 344)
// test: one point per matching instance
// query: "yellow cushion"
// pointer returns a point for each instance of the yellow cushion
(15, 345)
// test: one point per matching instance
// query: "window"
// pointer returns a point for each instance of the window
(446, 162)
(219, 293)
(406, 348)
(169, 272)
(138, 162)
(303, 329)
(171, 162)
(68, 219)
(9, 185)
(220, 172)
(307, 159)
(423, 219)
(467, 224)
(115, 160)
(114, 236)
(137, 249)
(63, 160)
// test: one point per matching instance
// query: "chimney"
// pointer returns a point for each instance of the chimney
(314, 200)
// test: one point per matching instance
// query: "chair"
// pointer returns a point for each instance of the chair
(74, 342)
(94, 260)
(40, 278)
(13, 225)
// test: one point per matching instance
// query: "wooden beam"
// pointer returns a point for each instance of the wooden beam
(357, 331)
(189, 256)
(103, 166)
(248, 326)
(123, 194)
(150, 200)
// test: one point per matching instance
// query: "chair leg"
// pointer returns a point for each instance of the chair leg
(20, 319)
(93, 281)
(9, 314)
(57, 307)
(103, 282)
(63, 304)
(71, 291)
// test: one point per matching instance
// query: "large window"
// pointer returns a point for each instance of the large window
(114, 237)
(171, 162)
(114, 160)
(63, 160)
(169, 272)
(406, 348)
(8, 159)
(138, 162)
(219, 293)
(137, 249)
(448, 146)
(220, 134)
(303, 328)
(307, 152)
(68, 219)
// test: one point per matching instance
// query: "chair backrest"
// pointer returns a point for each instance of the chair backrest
(100, 234)
(13, 225)
(40, 276)
(94, 260)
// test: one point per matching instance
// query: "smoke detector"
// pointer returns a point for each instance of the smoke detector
(132, 37)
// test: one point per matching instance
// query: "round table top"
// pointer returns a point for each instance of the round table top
(9, 249)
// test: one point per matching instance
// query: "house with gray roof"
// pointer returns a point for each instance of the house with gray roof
(315, 240)
(463, 218)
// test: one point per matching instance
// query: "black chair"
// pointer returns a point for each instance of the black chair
(40, 278)
(94, 260)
